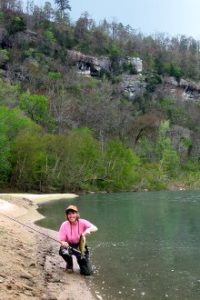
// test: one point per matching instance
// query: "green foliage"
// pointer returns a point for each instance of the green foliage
(54, 75)
(119, 166)
(163, 140)
(190, 174)
(115, 52)
(9, 94)
(159, 65)
(129, 68)
(80, 159)
(30, 52)
(170, 161)
(50, 36)
(11, 123)
(153, 79)
(173, 112)
(5, 166)
(187, 142)
(1, 17)
(47, 161)
(105, 74)
(169, 158)
(152, 177)
(115, 56)
(63, 4)
(4, 56)
(146, 149)
(36, 107)
(16, 24)
(28, 157)
(15, 121)
(174, 70)
(70, 163)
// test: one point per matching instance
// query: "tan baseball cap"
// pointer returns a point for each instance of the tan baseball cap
(71, 207)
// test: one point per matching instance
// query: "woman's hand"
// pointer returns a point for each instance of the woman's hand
(86, 232)
(89, 230)
(64, 244)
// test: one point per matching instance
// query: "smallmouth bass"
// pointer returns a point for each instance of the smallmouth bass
(82, 245)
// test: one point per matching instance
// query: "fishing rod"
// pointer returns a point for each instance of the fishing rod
(42, 233)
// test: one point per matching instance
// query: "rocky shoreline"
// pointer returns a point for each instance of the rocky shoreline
(30, 267)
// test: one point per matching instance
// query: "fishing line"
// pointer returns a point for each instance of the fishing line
(25, 225)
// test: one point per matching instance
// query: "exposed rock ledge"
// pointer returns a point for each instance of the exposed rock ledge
(30, 267)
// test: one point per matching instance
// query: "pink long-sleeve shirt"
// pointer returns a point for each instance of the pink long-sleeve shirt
(71, 232)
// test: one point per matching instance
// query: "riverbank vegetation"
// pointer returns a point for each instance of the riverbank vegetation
(61, 131)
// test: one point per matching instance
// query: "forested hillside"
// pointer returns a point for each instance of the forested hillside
(61, 130)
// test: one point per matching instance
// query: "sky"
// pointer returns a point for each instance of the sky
(172, 17)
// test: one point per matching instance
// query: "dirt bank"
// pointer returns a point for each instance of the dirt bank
(30, 267)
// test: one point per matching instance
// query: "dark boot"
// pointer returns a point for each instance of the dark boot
(85, 264)
(66, 255)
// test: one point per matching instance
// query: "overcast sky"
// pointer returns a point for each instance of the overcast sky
(172, 17)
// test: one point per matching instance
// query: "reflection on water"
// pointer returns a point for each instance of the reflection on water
(147, 246)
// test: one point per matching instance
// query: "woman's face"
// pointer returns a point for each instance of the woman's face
(72, 216)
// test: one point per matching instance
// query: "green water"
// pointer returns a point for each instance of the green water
(147, 245)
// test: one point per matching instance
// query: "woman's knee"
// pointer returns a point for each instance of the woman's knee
(64, 251)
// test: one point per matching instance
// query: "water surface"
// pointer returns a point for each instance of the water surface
(147, 245)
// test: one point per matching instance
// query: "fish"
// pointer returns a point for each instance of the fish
(82, 244)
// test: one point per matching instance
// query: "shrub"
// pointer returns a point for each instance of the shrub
(119, 166)
(4, 57)
(16, 24)
(36, 107)
(54, 75)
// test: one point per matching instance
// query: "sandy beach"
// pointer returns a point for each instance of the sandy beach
(30, 267)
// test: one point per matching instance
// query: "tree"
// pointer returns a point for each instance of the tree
(82, 32)
(78, 165)
(47, 10)
(28, 159)
(16, 24)
(4, 153)
(169, 159)
(12, 122)
(36, 107)
(119, 166)
(11, 5)
(63, 5)
(9, 94)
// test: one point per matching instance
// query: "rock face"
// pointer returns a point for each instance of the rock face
(186, 142)
(186, 89)
(182, 140)
(87, 64)
(90, 65)
(136, 62)
(132, 86)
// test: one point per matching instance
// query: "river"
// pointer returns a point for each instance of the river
(147, 245)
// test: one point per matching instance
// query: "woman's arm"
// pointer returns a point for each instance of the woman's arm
(89, 230)
(62, 235)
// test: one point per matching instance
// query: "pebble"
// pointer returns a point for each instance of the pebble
(25, 276)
